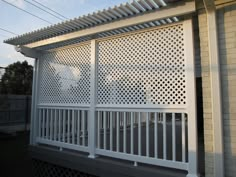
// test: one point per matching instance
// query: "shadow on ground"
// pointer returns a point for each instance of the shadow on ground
(14, 156)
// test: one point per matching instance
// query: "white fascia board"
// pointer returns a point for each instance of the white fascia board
(182, 8)
(28, 52)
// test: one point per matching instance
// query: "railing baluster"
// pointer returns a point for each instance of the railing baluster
(51, 124)
(43, 126)
(173, 138)
(73, 126)
(132, 133)
(104, 130)
(59, 126)
(68, 126)
(117, 132)
(83, 127)
(156, 135)
(183, 137)
(164, 136)
(55, 124)
(64, 125)
(86, 128)
(47, 124)
(40, 125)
(108, 120)
(147, 134)
(139, 134)
(78, 127)
(111, 131)
(124, 133)
(99, 121)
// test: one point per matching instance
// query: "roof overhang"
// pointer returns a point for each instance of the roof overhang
(158, 14)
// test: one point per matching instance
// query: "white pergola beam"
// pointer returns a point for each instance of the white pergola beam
(179, 9)
(28, 52)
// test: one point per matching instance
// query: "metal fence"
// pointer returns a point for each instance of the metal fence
(15, 109)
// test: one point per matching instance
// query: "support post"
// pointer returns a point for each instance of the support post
(191, 100)
(33, 122)
(216, 97)
(92, 113)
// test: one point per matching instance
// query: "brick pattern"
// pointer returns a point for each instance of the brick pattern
(206, 94)
(227, 49)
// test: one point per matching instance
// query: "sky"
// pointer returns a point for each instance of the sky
(19, 22)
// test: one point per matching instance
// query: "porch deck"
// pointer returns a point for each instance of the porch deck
(99, 167)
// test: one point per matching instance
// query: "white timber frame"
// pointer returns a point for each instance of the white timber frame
(92, 117)
(191, 100)
(216, 97)
(33, 125)
(189, 108)
(187, 8)
(177, 10)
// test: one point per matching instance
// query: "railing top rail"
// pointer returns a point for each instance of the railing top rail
(60, 106)
(165, 110)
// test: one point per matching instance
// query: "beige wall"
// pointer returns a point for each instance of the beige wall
(226, 22)
(227, 49)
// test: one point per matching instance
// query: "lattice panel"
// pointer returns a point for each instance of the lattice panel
(44, 169)
(143, 68)
(65, 76)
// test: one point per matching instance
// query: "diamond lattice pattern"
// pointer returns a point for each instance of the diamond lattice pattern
(145, 68)
(65, 76)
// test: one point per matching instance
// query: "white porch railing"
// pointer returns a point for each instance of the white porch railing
(157, 138)
(148, 137)
(63, 127)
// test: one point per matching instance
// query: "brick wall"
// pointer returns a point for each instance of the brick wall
(227, 49)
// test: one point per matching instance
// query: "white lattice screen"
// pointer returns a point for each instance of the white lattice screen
(116, 91)
(146, 68)
(65, 76)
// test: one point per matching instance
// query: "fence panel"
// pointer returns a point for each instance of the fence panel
(15, 109)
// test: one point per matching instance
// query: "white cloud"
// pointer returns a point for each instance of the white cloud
(82, 1)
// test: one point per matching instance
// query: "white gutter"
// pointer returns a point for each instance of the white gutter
(215, 88)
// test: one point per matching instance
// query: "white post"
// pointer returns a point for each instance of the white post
(32, 102)
(33, 124)
(191, 99)
(92, 115)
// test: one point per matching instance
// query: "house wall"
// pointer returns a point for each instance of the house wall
(226, 18)
(227, 50)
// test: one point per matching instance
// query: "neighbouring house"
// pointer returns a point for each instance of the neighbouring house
(140, 89)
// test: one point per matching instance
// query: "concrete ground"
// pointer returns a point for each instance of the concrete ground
(14, 156)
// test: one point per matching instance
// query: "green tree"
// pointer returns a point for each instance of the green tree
(17, 79)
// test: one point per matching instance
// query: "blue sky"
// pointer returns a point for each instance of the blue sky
(20, 22)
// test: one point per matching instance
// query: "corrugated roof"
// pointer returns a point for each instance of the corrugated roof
(125, 10)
